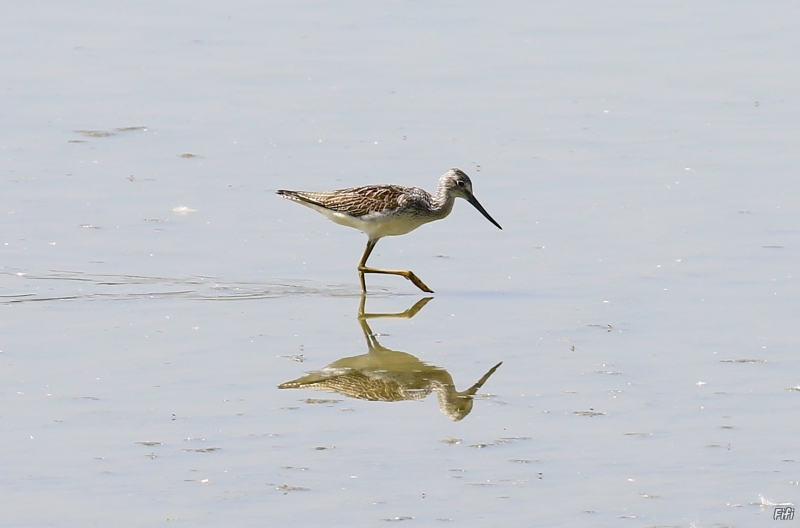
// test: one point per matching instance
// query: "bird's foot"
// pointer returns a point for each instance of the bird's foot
(418, 283)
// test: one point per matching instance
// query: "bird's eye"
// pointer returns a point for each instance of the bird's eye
(460, 183)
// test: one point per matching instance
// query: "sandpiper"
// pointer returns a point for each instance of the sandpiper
(389, 210)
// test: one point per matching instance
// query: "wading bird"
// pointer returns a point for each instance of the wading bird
(389, 210)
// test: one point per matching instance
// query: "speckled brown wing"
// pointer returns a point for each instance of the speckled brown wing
(359, 386)
(356, 201)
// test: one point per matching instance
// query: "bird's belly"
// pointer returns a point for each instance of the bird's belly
(378, 226)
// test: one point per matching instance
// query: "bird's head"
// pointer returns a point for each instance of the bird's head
(458, 185)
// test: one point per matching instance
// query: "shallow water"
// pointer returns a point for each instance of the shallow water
(642, 296)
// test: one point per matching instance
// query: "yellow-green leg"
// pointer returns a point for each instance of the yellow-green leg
(362, 269)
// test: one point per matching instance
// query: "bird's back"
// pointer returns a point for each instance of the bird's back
(357, 201)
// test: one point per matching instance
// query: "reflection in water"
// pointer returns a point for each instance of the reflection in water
(389, 375)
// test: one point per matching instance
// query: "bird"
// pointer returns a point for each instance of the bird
(389, 210)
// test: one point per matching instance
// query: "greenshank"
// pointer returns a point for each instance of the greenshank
(389, 210)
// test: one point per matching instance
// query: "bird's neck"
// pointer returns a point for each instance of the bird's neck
(442, 202)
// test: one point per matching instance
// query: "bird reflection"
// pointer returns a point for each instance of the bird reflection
(389, 375)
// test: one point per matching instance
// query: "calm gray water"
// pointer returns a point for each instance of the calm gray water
(642, 296)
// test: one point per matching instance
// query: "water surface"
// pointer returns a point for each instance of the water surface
(642, 296)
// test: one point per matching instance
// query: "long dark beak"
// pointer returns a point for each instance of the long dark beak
(474, 389)
(474, 201)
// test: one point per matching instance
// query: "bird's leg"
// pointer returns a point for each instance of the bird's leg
(408, 314)
(362, 263)
(362, 269)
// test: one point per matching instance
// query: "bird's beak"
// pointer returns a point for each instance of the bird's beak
(474, 201)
